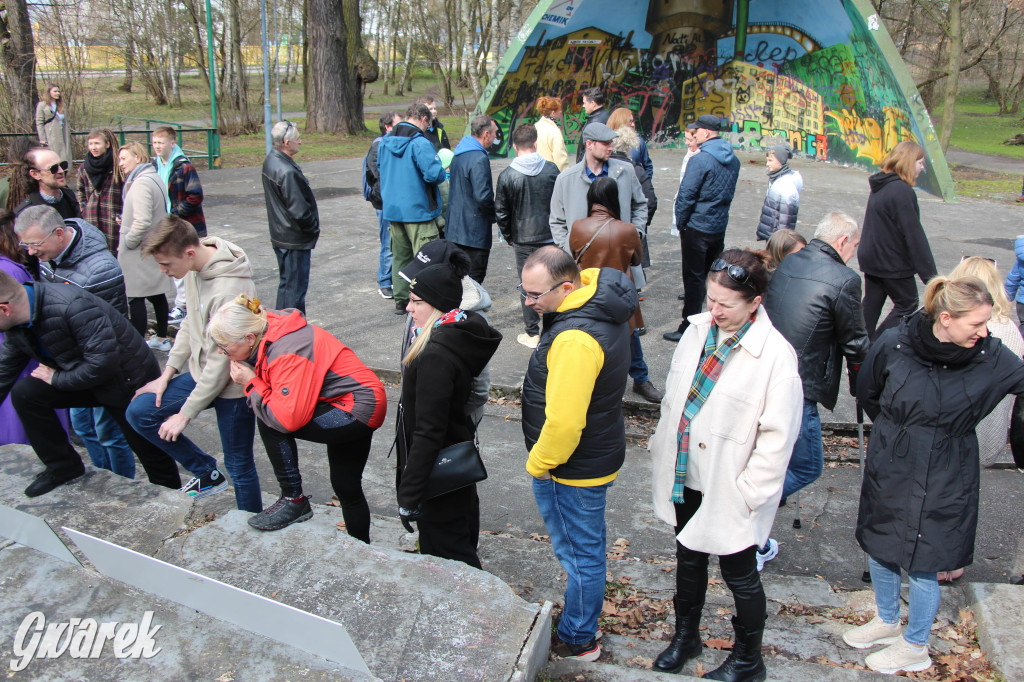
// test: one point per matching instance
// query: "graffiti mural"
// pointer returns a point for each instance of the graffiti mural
(821, 74)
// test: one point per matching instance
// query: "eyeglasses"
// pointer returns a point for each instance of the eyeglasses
(737, 273)
(35, 245)
(536, 297)
(63, 165)
(990, 260)
(414, 301)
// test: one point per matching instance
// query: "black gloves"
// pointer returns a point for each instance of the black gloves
(409, 515)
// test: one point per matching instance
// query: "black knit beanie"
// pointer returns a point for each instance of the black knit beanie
(439, 286)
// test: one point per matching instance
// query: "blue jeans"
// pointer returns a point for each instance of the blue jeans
(637, 366)
(293, 265)
(104, 440)
(384, 262)
(574, 517)
(808, 458)
(237, 426)
(924, 599)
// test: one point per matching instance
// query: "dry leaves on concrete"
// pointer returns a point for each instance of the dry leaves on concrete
(628, 611)
(965, 662)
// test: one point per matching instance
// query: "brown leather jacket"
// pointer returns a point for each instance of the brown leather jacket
(617, 246)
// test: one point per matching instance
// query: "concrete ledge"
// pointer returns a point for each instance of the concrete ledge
(534, 655)
(997, 611)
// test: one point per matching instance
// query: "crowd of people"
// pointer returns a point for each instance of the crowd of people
(760, 346)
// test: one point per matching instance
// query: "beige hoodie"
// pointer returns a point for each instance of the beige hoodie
(220, 281)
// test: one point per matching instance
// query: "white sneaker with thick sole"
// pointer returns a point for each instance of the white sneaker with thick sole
(876, 631)
(156, 343)
(528, 340)
(900, 655)
(773, 551)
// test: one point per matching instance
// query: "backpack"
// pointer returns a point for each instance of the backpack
(367, 189)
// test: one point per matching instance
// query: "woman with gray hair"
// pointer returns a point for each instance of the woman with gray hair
(782, 202)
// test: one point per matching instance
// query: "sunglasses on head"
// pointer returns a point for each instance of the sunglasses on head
(63, 165)
(990, 260)
(737, 273)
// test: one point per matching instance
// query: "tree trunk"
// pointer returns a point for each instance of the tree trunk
(335, 102)
(18, 57)
(956, 51)
(129, 59)
(173, 70)
(305, 53)
(241, 95)
(406, 67)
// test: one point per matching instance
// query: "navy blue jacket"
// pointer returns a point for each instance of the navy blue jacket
(708, 186)
(470, 196)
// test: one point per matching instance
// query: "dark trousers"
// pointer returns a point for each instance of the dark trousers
(293, 265)
(700, 250)
(903, 293)
(137, 314)
(530, 317)
(478, 259)
(456, 537)
(739, 571)
(348, 447)
(35, 400)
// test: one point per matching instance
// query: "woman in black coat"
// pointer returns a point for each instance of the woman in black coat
(893, 245)
(451, 347)
(926, 385)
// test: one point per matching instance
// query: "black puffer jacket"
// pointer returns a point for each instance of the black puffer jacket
(893, 244)
(919, 498)
(522, 204)
(291, 206)
(435, 388)
(814, 302)
(91, 346)
(89, 265)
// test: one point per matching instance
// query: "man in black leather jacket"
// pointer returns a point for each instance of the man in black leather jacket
(292, 214)
(89, 355)
(814, 300)
(522, 204)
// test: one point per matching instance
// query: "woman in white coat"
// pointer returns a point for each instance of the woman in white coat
(145, 204)
(52, 123)
(729, 419)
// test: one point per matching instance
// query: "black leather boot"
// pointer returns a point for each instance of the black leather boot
(685, 642)
(745, 663)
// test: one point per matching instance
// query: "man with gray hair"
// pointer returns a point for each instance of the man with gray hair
(814, 301)
(292, 215)
(471, 196)
(72, 251)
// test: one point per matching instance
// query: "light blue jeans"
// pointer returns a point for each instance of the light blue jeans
(574, 517)
(104, 440)
(924, 599)
(384, 260)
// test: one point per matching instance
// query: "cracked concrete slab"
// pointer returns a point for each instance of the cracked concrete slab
(192, 645)
(997, 611)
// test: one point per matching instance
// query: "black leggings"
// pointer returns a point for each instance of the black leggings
(348, 447)
(137, 313)
(739, 571)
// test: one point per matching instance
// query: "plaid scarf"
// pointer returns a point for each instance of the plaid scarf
(711, 362)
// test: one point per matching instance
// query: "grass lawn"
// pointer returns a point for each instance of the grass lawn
(979, 129)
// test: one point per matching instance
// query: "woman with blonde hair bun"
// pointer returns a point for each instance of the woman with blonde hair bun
(926, 385)
(303, 383)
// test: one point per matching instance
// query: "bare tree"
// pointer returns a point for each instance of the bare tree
(18, 61)
(339, 67)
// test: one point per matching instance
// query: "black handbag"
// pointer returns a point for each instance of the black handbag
(457, 466)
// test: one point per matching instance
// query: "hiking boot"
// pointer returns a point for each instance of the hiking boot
(591, 651)
(876, 631)
(400, 307)
(207, 484)
(745, 663)
(529, 340)
(900, 655)
(771, 553)
(282, 513)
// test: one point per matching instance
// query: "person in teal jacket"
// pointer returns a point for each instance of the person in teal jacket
(410, 173)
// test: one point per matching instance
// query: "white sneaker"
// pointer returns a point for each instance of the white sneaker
(876, 631)
(176, 315)
(900, 655)
(156, 343)
(528, 340)
(773, 551)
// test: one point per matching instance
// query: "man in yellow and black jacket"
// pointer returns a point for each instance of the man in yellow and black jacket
(572, 421)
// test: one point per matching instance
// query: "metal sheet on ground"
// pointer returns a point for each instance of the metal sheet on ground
(33, 532)
(255, 613)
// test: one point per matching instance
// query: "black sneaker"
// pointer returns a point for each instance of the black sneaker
(281, 514)
(591, 651)
(386, 292)
(48, 480)
(208, 484)
(400, 307)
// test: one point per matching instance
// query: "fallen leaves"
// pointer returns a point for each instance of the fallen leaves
(716, 643)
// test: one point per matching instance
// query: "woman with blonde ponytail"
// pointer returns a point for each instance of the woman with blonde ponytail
(303, 383)
(926, 385)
